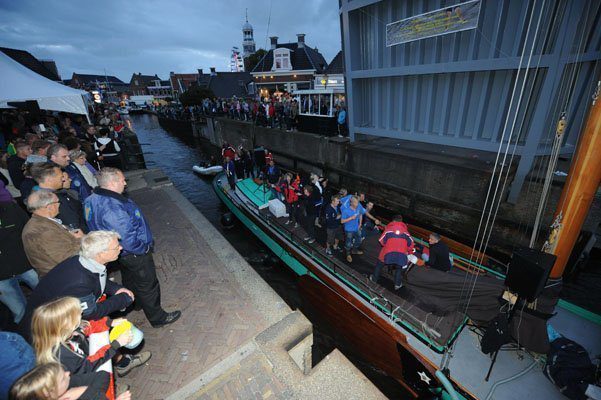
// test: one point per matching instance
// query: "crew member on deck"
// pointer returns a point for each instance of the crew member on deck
(272, 173)
(439, 254)
(397, 246)
(230, 172)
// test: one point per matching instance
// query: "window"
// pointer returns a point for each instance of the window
(281, 60)
(316, 104)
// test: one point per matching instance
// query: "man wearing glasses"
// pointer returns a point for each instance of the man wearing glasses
(46, 240)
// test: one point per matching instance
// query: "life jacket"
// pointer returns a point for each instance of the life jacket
(396, 243)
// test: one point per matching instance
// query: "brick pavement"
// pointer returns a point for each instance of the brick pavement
(216, 314)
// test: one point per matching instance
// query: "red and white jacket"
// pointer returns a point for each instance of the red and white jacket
(396, 243)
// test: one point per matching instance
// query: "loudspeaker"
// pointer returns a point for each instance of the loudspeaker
(528, 272)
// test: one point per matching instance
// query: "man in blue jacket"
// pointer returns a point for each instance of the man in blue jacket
(107, 209)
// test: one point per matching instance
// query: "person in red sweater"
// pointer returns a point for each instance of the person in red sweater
(227, 151)
(290, 192)
(397, 246)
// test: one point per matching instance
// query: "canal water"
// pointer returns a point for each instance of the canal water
(176, 155)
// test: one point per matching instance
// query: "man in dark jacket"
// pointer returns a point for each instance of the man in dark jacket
(439, 254)
(50, 177)
(108, 209)
(84, 276)
(272, 173)
(14, 266)
(15, 163)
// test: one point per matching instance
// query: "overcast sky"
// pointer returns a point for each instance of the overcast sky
(151, 36)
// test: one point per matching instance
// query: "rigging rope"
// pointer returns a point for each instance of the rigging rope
(479, 255)
(487, 230)
(575, 74)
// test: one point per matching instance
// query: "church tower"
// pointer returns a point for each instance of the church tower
(248, 42)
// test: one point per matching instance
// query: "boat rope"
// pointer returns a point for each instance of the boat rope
(498, 194)
(392, 316)
(559, 135)
(483, 227)
(511, 378)
(554, 157)
(538, 161)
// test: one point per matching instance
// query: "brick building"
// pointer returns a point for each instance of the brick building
(288, 66)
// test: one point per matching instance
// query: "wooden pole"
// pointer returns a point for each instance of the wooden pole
(578, 192)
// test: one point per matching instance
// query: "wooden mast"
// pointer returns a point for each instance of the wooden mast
(578, 192)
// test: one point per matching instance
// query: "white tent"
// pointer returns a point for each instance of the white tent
(18, 83)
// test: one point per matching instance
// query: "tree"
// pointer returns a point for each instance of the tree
(251, 61)
(195, 95)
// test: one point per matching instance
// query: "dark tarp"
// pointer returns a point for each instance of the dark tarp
(441, 292)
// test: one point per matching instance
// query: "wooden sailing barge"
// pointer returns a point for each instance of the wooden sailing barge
(408, 336)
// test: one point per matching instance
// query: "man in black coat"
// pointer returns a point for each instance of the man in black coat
(70, 212)
(14, 266)
(439, 254)
(84, 276)
(15, 163)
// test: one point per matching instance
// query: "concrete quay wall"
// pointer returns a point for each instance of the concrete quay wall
(443, 188)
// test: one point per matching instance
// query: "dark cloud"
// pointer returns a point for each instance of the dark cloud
(152, 36)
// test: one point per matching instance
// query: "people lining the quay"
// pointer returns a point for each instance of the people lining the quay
(44, 245)
(276, 111)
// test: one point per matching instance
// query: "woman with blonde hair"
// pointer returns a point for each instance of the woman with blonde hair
(60, 335)
(51, 382)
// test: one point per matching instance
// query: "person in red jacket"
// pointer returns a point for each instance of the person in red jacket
(227, 151)
(271, 114)
(397, 245)
(290, 191)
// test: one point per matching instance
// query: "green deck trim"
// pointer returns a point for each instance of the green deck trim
(296, 266)
(581, 312)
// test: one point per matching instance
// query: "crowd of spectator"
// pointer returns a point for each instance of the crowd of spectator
(280, 112)
(63, 218)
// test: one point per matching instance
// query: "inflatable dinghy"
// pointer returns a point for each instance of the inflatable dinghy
(215, 169)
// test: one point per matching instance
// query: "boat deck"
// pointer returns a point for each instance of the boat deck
(440, 328)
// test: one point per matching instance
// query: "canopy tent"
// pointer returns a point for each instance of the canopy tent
(18, 83)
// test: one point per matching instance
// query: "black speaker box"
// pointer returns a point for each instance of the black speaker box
(528, 272)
